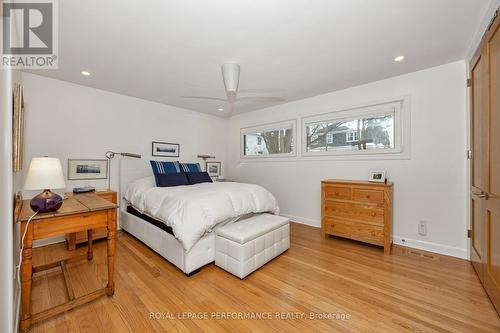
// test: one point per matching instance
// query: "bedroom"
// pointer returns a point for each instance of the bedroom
(291, 107)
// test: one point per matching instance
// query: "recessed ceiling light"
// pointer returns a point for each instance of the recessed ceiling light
(221, 109)
(399, 58)
(85, 73)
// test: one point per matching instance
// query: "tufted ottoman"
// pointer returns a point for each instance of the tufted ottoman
(244, 246)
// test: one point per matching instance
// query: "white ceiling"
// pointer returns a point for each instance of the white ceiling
(162, 50)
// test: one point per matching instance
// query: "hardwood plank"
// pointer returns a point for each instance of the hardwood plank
(405, 292)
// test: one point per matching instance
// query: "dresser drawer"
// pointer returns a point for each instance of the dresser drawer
(366, 213)
(334, 192)
(373, 196)
(355, 230)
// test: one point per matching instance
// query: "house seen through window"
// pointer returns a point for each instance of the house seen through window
(363, 133)
(267, 141)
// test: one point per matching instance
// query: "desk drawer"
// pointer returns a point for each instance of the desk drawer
(73, 223)
(373, 196)
(337, 192)
(355, 230)
(366, 213)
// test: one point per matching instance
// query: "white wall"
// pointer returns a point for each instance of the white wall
(66, 120)
(429, 186)
(16, 187)
(6, 204)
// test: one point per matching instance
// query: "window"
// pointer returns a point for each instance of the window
(368, 130)
(272, 140)
(329, 138)
(351, 136)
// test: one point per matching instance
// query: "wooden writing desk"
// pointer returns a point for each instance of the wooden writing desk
(79, 212)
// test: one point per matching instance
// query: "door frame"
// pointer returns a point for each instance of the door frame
(483, 26)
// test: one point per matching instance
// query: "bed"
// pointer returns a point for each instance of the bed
(179, 222)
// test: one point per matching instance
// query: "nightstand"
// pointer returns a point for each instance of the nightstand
(81, 237)
(78, 213)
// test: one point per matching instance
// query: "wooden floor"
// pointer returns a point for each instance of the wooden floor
(333, 278)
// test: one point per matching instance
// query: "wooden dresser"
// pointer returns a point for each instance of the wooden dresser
(358, 210)
(81, 237)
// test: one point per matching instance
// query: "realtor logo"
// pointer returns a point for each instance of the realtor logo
(29, 34)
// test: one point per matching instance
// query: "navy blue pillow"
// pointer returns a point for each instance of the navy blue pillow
(198, 177)
(190, 167)
(171, 179)
(164, 167)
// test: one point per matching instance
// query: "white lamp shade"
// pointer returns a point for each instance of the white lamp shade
(44, 173)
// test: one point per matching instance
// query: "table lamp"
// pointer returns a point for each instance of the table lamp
(45, 173)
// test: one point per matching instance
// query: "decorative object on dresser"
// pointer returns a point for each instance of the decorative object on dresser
(72, 239)
(165, 149)
(110, 155)
(358, 210)
(45, 173)
(78, 213)
(17, 128)
(87, 169)
(377, 177)
(214, 169)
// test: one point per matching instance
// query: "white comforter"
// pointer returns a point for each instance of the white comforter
(193, 210)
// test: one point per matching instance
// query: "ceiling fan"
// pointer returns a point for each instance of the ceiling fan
(231, 78)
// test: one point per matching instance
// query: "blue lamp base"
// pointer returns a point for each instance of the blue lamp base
(46, 202)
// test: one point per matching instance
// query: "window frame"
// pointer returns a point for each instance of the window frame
(354, 137)
(280, 125)
(329, 138)
(398, 107)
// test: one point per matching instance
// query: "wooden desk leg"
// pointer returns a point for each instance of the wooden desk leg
(90, 252)
(71, 241)
(111, 250)
(26, 276)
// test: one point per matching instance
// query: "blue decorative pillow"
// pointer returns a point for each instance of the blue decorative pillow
(191, 167)
(171, 179)
(198, 177)
(163, 167)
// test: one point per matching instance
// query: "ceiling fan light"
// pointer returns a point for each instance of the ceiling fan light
(231, 76)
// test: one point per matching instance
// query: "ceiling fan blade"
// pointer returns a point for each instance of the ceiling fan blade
(262, 91)
(203, 97)
(261, 99)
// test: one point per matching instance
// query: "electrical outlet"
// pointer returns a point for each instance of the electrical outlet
(422, 228)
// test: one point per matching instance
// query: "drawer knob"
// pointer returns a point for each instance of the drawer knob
(368, 196)
(374, 214)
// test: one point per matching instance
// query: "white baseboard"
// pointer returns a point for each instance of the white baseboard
(48, 241)
(303, 220)
(431, 247)
(399, 240)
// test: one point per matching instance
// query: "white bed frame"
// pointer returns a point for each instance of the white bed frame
(163, 243)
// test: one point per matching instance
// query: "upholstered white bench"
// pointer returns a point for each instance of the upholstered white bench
(244, 246)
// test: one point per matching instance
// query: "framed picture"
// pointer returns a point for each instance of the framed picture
(377, 177)
(87, 169)
(17, 128)
(213, 168)
(165, 149)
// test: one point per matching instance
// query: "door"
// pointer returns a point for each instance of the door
(485, 178)
(492, 202)
(479, 136)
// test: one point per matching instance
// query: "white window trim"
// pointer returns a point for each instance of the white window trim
(401, 150)
(329, 138)
(354, 133)
(292, 123)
